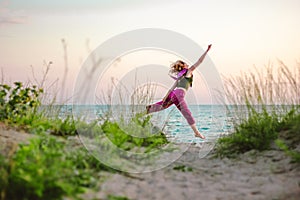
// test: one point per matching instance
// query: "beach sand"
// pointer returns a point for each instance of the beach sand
(253, 175)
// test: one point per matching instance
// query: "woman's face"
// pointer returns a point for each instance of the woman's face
(185, 66)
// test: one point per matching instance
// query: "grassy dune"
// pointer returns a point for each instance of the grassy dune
(265, 108)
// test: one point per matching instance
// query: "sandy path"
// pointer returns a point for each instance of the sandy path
(267, 175)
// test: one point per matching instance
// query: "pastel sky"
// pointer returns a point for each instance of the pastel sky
(243, 33)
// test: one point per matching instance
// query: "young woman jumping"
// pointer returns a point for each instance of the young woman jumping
(177, 92)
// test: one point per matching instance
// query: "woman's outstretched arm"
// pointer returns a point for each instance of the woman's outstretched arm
(200, 60)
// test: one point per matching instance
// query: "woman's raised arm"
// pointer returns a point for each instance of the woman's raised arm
(199, 61)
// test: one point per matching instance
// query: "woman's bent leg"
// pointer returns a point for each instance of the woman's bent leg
(188, 115)
(182, 106)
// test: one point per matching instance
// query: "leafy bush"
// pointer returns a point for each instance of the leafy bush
(18, 101)
(63, 127)
(126, 141)
(256, 132)
(19, 107)
(44, 169)
(259, 131)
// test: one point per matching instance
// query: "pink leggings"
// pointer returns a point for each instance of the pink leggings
(175, 97)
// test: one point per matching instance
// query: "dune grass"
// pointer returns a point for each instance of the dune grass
(264, 106)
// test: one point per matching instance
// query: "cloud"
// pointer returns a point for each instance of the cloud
(9, 16)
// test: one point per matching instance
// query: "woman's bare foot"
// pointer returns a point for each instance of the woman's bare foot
(199, 135)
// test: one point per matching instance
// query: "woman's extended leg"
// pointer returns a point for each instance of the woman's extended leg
(188, 116)
(182, 106)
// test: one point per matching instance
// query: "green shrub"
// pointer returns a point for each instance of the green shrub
(18, 101)
(126, 141)
(262, 108)
(44, 169)
(256, 132)
(63, 127)
(19, 107)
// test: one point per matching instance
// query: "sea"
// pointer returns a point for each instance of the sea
(212, 121)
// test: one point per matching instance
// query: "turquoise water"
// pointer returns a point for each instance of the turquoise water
(211, 120)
